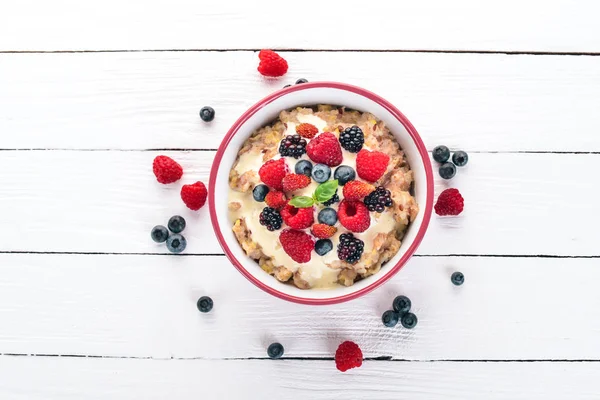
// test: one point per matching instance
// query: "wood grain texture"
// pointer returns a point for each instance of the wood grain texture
(508, 25)
(151, 100)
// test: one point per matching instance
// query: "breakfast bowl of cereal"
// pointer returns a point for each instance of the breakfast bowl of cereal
(320, 192)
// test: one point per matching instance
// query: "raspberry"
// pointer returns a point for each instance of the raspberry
(352, 139)
(348, 355)
(308, 131)
(297, 244)
(370, 165)
(292, 146)
(166, 169)
(271, 64)
(297, 218)
(350, 248)
(272, 173)
(354, 216)
(194, 196)
(325, 149)
(356, 190)
(450, 202)
(270, 218)
(323, 231)
(293, 182)
(378, 200)
(276, 200)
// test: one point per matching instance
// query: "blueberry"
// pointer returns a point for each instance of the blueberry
(303, 167)
(344, 174)
(447, 170)
(176, 224)
(159, 234)
(275, 350)
(390, 318)
(287, 86)
(327, 216)
(260, 192)
(401, 304)
(323, 246)
(204, 304)
(207, 113)
(441, 154)
(457, 278)
(301, 80)
(460, 158)
(409, 320)
(321, 173)
(176, 243)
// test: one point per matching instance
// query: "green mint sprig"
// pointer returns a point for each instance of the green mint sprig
(325, 191)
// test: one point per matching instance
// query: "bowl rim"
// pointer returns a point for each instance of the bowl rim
(333, 85)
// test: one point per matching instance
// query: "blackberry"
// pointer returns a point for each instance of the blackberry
(292, 146)
(350, 249)
(332, 200)
(352, 139)
(378, 200)
(270, 218)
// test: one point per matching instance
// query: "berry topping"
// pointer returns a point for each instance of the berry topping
(272, 173)
(457, 278)
(294, 182)
(204, 304)
(450, 202)
(176, 243)
(275, 350)
(344, 174)
(301, 80)
(321, 173)
(297, 244)
(354, 216)
(323, 246)
(390, 318)
(276, 200)
(176, 224)
(194, 196)
(159, 234)
(378, 200)
(409, 320)
(352, 139)
(325, 149)
(348, 355)
(270, 218)
(308, 131)
(271, 64)
(260, 192)
(323, 231)
(370, 165)
(292, 146)
(401, 304)
(303, 167)
(328, 216)
(350, 248)
(460, 158)
(356, 190)
(166, 169)
(441, 154)
(297, 218)
(207, 113)
(333, 200)
(447, 170)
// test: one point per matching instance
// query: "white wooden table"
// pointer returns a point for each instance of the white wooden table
(90, 308)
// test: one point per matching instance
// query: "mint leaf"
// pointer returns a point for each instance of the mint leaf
(325, 191)
(302, 202)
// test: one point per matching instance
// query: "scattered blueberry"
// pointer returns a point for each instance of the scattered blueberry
(275, 350)
(328, 216)
(260, 192)
(323, 246)
(204, 304)
(301, 80)
(207, 113)
(447, 170)
(378, 200)
(409, 320)
(441, 154)
(292, 146)
(344, 174)
(176, 224)
(401, 304)
(457, 278)
(176, 243)
(460, 158)
(350, 248)
(303, 167)
(159, 233)
(352, 139)
(390, 318)
(270, 218)
(321, 173)
(287, 86)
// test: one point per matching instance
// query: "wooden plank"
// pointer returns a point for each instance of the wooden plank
(184, 24)
(140, 101)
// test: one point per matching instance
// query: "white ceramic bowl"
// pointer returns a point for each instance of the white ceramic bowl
(266, 111)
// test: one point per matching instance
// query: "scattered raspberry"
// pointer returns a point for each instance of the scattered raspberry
(354, 216)
(276, 200)
(272, 173)
(323, 231)
(271, 64)
(325, 149)
(308, 131)
(166, 169)
(348, 355)
(450, 202)
(370, 165)
(293, 182)
(356, 190)
(297, 244)
(194, 196)
(298, 218)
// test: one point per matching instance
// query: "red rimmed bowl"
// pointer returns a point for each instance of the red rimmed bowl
(263, 113)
